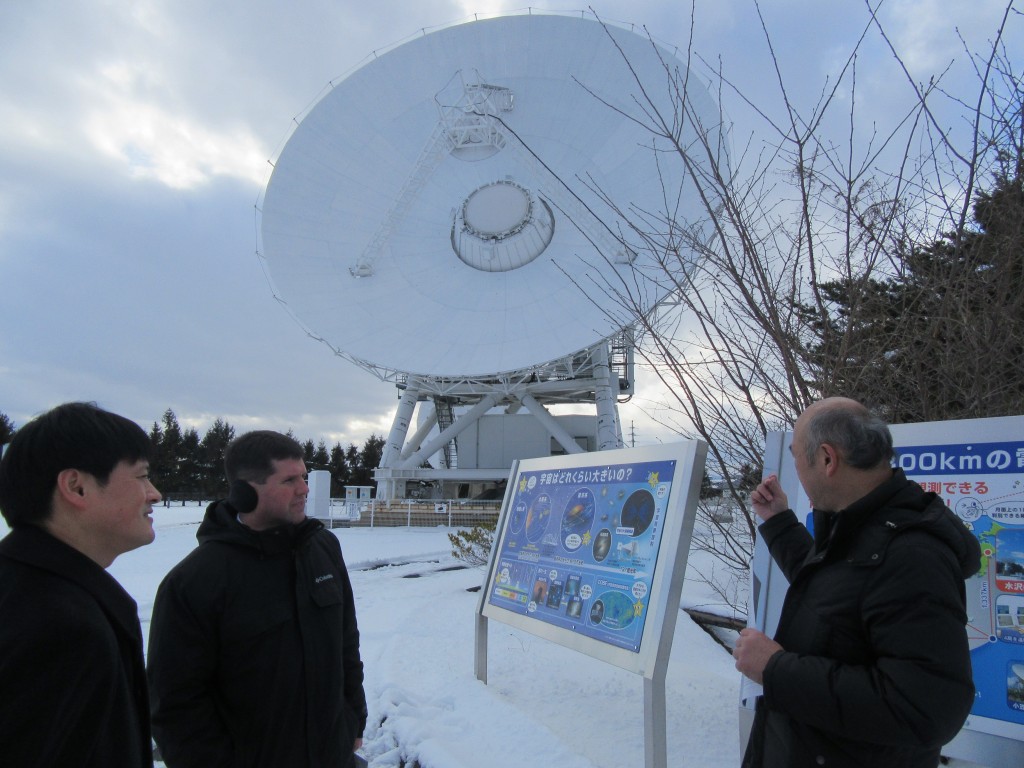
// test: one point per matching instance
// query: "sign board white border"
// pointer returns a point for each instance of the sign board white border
(662, 599)
(677, 515)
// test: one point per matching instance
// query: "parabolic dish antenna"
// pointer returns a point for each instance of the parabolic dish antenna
(438, 211)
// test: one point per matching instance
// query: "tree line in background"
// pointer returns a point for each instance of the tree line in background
(187, 466)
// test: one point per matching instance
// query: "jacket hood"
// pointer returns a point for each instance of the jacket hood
(940, 522)
(220, 523)
(900, 505)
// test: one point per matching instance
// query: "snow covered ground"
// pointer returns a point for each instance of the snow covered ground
(543, 706)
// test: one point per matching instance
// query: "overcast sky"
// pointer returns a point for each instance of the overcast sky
(134, 144)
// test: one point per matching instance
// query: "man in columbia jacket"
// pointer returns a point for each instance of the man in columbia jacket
(870, 664)
(254, 649)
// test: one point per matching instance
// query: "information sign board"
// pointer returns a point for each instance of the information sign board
(589, 547)
(982, 480)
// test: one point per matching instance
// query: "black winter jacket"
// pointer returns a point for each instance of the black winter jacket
(254, 650)
(875, 670)
(72, 680)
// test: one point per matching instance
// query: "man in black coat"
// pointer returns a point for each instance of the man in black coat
(75, 490)
(870, 664)
(253, 646)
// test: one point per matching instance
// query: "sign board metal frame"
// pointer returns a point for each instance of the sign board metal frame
(565, 498)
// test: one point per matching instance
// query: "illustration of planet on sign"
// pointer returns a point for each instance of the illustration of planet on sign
(518, 517)
(638, 512)
(577, 519)
(618, 610)
(537, 518)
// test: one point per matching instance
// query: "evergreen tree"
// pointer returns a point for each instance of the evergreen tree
(168, 454)
(321, 458)
(7, 429)
(190, 465)
(943, 340)
(211, 453)
(474, 546)
(338, 468)
(308, 450)
(184, 464)
(708, 489)
(368, 460)
(352, 459)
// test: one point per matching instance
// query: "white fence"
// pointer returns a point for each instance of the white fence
(451, 513)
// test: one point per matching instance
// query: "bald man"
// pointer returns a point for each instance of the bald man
(870, 664)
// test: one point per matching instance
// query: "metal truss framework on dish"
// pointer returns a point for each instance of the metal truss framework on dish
(601, 375)
(441, 218)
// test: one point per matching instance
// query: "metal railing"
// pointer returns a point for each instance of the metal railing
(449, 513)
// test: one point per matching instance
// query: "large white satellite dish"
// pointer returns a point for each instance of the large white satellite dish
(467, 240)
(437, 212)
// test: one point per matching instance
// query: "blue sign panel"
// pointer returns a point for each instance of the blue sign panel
(580, 545)
(1005, 458)
(984, 484)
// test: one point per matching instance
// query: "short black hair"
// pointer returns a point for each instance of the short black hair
(79, 436)
(250, 456)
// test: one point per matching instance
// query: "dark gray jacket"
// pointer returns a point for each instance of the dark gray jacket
(876, 669)
(72, 680)
(254, 650)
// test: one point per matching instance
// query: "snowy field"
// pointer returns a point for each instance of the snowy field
(544, 705)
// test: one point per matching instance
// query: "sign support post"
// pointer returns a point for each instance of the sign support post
(590, 552)
(480, 649)
(655, 732)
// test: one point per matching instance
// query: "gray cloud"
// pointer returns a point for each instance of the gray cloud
(134, 140)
